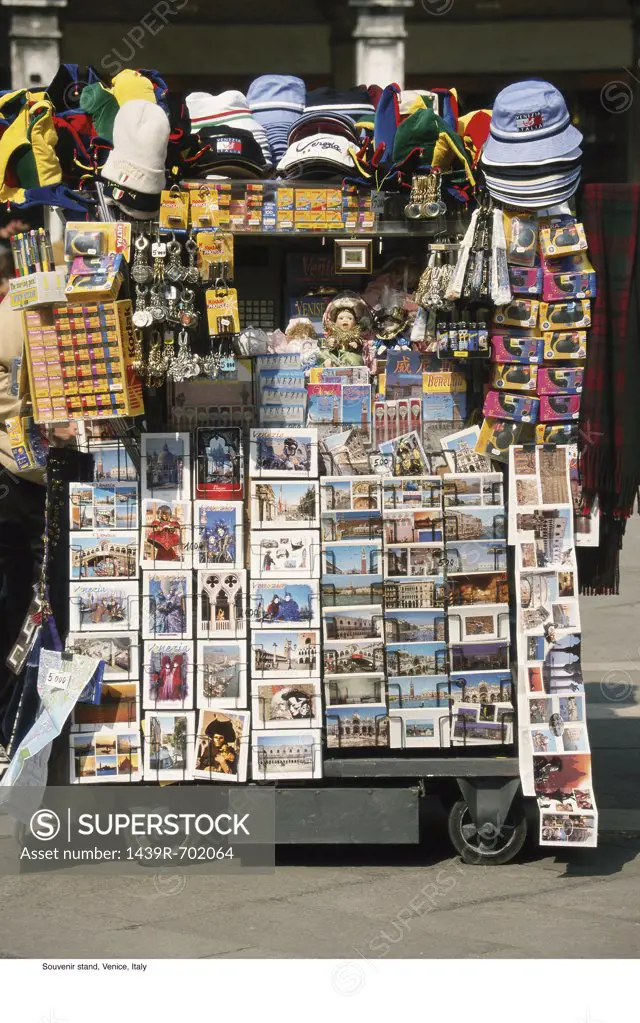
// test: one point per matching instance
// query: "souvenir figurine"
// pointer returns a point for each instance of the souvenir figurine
(390, 325)
(346, 320)
(302, 337)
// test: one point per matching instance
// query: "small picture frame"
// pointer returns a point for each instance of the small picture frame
(353, 257)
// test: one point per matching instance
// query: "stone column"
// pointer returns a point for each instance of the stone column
(34, 34)
(380, 34)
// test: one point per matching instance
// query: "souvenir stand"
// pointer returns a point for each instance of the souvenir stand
(298, 554)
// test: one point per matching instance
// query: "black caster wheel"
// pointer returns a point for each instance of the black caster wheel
(487, 845)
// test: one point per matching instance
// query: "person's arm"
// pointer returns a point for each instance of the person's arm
(11, 343)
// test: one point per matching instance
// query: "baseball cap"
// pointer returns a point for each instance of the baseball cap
(323, 124)
(276, 101)
(232, 152)
(355, 102)
(229, 108)
(530, 122)
(318, 155)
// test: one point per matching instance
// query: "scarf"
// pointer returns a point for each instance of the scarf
(609, 434)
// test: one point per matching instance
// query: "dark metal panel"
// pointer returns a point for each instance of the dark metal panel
(423, 767)
(489, 800)
(380, 816)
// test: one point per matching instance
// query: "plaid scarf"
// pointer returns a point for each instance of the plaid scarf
(609, 434)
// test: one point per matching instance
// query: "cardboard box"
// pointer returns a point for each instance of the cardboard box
(37, 289)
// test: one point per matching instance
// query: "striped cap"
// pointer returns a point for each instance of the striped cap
(230, 109)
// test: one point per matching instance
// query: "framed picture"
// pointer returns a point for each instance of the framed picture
(353, 257)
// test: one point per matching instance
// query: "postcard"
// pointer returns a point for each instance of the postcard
(222, 745)
(354, 622)
(556, 713)
(119, 651)
(357, 726)
(218, 534)
(350, 493)
(292, 452)
(286, 754)
(472, 727)
(103, 555)
(109, 506)
(279, 703)
(348, 558)
(286, 654)
(478, 622)
(342, 657)
(485, 588)
(276, 603)
(413, 560)
(411, 492)
(222, 603)
(418, 691)
(105, 755)
(344, 452)
(476, 556)
(168, 674)
(459, 449)
(166, 466)
(482, 687)
(569, 828)
(412, 729)
(413, 526)
(166, 534)
(416, 658)
(351, 525)
(219, 471)
(414, 626)
(285, 503)
(355, 407)
(346, 689)
(112, 606)
(409, 458)
(119, 706)
(112, 463)
(344, 590)
(169, 745)
(474, 489)
(475, 524)
(414, 592)
(557, 777)
(489, 655)
(221, 674)
(323, 403)
(285, 552)
(167, 605)
(551, 532)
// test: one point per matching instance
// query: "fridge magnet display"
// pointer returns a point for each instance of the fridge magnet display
(274, 453)
(119, 705)
(347, 689)
(415, 729)
(406, 626)
(218, 534)
(222, 604)
(285, 553)
(119, 651)
(166, 466)
(411, 492)
(275, 603)
(166, 605)
(416, 658)
(284, 503)
(166, 534)
(168, 675)
(103, 555)
(222, 745)
(105, 756)
(168, 745)
(355, 622)
(287, 704)
(417, 692)
(221, 674)
(286, 754)
(342, 657)
(219, 473)
(344, 493)
(108, 606)
(285, 654)
(356, 727)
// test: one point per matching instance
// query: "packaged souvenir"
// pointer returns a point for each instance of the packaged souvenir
(555, 407)
(525, 281)
(562, 239)
(569, 277)
(515, 377)
(511, 348)
(522, 312)
(503, 405)
(570, 344)
(565, 433)
(497, 436)
(521, 230)
(560, 381)
(565, 315)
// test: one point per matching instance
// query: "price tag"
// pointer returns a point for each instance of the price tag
(382, 465)
(57, 680)
(158, 250)
(377, 201)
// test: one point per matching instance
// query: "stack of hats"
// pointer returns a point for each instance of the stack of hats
(356, 103)
(276, 101)
(134, 171)
(532, 157)
(320, 146)
(228, 109)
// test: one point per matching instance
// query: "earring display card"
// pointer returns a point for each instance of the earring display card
(119, 651)
(284, 553)
(168, 745)
(167, 605)
(219, 463)
(292, 453)
(286, 704)
(102, 607)
(166, 466)
(218, 534)
(285, 503)
(222, 603)
(289, 653)
(286, 754)
(168, 675)
(166, 534)
(221, 673)
(102, 554)
(109, 506)
(222, 745)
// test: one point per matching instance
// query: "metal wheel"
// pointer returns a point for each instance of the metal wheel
(487, 845)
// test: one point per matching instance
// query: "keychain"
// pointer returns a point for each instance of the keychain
(191, 274)
(188, 315)
(143, 317)
(185, 364)
(137, 362)
(211, 362)
(156, 367)
(174, 270)
(140, 270)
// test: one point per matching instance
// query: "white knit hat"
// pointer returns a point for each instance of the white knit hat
(230, 109)
(140, 139)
